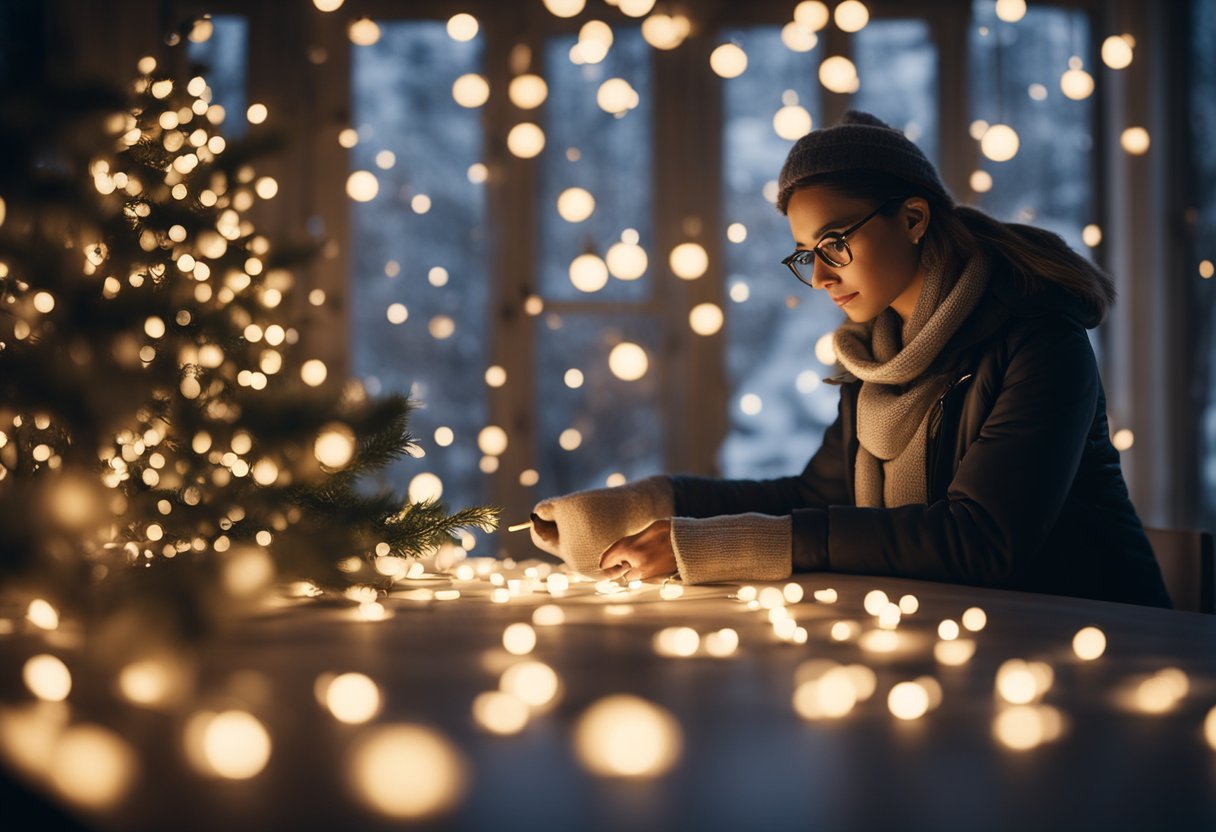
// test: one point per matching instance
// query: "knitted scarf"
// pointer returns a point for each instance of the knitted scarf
(897, 395)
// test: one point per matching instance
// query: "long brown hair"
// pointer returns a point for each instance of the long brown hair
(1034, 255)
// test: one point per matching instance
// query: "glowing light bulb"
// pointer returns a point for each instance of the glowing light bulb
(628, 361)
(1015, 682)
(588, 273)
(352, 698)
(236, 745)
(838, 74)
(728, 60)
(364, 32)
(975, 619)
(1122, 439)
(425, 487)
(812, 14)
(954, 653)
(689, 261)
(616, 96)
(635, 8)
(1011, 11)
(492, 440)
(706, 318)
(908, 700)
(575, 204)
(626, 261)
(362, 186)
(47, 677)
(1135, 140)
(798, 38)
(1089, 643)
(500, 713)
(462, 27)
(851, 16)
(533, 683)
(526, 140)
(1116, 52)
(625, 736)
(1077, 84)
(565, 8)
(92, 766)
(792, 122)
(470, 90)
(528, 91)
(665, 32)
(335, 445)
(1000, 143)
(407, 771)
(981, 181)
(519, 639)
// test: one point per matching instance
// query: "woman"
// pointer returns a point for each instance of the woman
(971, 444)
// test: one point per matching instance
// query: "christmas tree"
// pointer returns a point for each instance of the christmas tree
(163, 445)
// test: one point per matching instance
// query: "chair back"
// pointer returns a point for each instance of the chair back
(1188, 566)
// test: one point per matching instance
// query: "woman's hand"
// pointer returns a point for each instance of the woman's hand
(646, 554)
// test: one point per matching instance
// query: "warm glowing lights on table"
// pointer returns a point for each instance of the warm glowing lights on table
(909, 700)
(1089, 643)
(519, 639)
(47, 677)
(625, 736)
(500, 713)
(1019, 682)
(92, 766)
(407, 771)
(42, 615)
(352, 698)
(1024, 727)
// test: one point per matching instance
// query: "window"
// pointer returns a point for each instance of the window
(778, 409)
(417, 254)
(1016, 74)
(592, 422)
(224, 61)
(1202, 346)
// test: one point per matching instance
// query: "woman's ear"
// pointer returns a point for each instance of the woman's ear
(916, 218)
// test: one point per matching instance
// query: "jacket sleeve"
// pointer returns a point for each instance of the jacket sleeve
(821, 484)
(1007, 491)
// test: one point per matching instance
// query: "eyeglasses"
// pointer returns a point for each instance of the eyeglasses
(832, 249)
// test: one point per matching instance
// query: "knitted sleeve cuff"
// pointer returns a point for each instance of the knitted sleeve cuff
(588, 522)
(732, 547)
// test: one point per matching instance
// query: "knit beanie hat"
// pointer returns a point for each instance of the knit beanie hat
(860, 142)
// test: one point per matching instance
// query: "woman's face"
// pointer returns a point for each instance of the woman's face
(885, 270)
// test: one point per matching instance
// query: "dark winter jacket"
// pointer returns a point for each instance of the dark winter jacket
(1025, 490)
